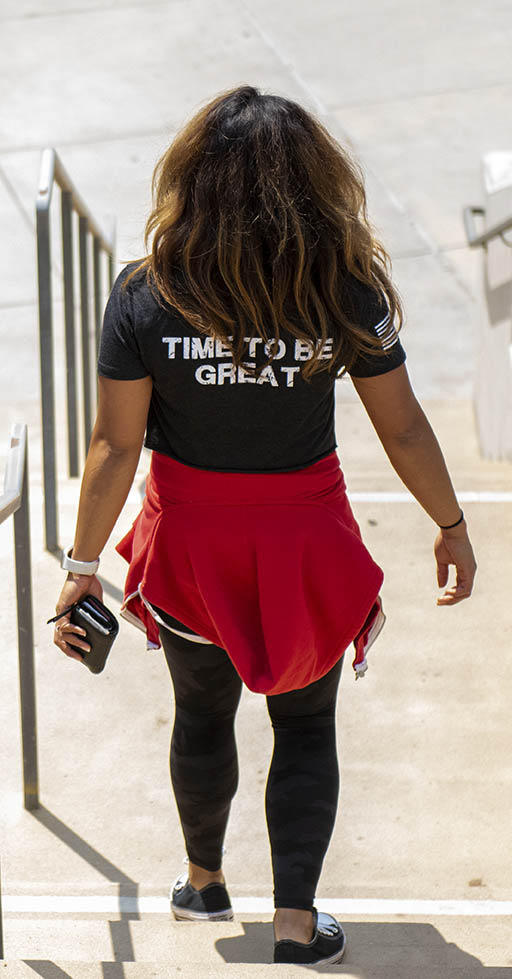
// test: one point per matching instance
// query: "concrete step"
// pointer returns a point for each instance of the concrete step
(31, 969)
(51, 969)
(155, 938)
(126, 946)
(366, 465)
(82, 930)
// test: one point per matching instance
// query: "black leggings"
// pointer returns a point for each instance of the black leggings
(303, 781)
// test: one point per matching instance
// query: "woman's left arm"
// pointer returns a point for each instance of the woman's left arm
(110, 467)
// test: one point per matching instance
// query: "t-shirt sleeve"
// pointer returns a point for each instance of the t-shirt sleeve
(119, 355)
(373, 316)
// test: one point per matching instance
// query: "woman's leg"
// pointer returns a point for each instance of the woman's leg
(301, 798)
(203, 755)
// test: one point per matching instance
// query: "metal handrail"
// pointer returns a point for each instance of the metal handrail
(15, 501)
(497, 231)
(52, 171)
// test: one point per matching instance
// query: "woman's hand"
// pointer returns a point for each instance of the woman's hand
(76, 586)
(454, 547)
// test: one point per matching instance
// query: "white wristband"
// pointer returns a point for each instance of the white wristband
(78, 567)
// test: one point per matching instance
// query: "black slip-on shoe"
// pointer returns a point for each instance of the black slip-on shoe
(325, 948)
(211, 903)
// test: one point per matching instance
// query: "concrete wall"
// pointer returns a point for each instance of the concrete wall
(493, 389)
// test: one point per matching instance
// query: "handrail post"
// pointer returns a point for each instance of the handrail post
(112, 255)
(97, 294)
(69, 319)
(52, 171)
(84, 305)
(46, 367)
(97, 308)
(15, 500)
(26, 643)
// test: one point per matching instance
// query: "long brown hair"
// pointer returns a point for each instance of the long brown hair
(260, 224)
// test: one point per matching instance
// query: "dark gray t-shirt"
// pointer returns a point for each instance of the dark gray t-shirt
(205, 413)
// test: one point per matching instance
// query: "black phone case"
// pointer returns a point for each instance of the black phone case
(86, 609)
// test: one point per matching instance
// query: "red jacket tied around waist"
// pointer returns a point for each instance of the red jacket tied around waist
(269, 566)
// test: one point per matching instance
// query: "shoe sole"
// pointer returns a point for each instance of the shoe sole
(183, 914)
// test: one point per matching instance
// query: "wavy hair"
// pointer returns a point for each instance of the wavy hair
(260, 222)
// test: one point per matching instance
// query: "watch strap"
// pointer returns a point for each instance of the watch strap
(78, 567)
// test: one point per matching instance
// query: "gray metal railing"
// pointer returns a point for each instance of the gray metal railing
(15, 500)
(476, 240)
(52, 171)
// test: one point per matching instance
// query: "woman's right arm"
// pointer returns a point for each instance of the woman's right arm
(416, 456)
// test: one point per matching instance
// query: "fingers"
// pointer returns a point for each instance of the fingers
(65, 634)
(457, 593)
(454, 549)
(452, 597)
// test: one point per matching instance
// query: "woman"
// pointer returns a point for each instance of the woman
(219, 351)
